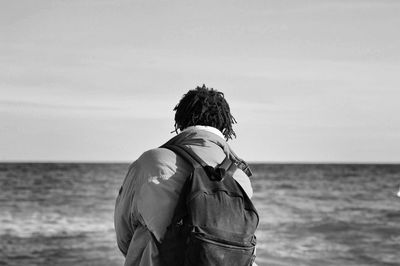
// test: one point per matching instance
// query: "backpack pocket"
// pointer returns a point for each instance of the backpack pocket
(205, 250)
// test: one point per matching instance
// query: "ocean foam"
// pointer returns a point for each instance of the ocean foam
(51, 224)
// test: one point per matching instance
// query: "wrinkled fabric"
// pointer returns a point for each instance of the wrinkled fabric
(150, 191)
(144, 252)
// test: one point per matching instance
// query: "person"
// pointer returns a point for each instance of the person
(150, 191)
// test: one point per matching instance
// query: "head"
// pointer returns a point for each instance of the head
(207, 107)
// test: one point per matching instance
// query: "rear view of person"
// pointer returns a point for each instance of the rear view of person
(188, 201)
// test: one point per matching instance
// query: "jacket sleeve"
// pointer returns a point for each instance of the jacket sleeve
(158, 196)
(146, 202)
(143, 249)
(124, 227)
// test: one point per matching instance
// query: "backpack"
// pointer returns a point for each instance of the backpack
(214, 221)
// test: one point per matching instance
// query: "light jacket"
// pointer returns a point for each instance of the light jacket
(150, 191)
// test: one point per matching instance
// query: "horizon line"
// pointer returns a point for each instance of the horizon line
(249, 162)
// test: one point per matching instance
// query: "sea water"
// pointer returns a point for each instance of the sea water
(62, 214)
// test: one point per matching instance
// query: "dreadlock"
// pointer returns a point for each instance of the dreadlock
(207, 107)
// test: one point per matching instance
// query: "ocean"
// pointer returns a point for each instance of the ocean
(310, 214)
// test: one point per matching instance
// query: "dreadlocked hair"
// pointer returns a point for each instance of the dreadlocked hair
(207, 107)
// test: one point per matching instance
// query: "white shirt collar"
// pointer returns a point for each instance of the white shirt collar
(207, 128)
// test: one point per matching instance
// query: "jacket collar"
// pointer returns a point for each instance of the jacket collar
(206, 128)
(204, 136)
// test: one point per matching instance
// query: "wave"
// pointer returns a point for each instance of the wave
(51, 224)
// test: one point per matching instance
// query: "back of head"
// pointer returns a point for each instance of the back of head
(207, 107)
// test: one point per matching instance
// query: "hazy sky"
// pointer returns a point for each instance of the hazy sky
(97, 80)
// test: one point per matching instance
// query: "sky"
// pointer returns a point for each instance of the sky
(97, 80)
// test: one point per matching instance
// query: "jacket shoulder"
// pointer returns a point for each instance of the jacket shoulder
(160, 163)
(158, 156)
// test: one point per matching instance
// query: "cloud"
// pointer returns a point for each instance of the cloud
(142, 109)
